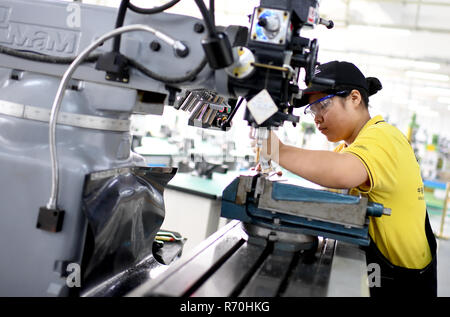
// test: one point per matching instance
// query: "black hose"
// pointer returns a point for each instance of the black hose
(206, 18)
(119, 22)
(93, 58)
(154, 10)
(211, 11)
(169, 80)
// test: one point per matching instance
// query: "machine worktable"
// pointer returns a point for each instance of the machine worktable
(226, 264)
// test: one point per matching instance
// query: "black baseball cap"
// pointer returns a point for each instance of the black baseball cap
(344, 74)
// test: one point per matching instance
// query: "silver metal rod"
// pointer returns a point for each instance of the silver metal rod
(52, 203)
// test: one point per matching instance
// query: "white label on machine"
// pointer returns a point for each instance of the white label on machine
(262, 106)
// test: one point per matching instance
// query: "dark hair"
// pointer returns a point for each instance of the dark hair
(374, 85)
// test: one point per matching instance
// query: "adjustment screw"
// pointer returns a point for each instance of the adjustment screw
(155, 46)
(199, 28)
(262, 22)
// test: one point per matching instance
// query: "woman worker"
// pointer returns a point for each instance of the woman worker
(375, 159)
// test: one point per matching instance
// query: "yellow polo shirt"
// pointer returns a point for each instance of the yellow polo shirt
(395, 182)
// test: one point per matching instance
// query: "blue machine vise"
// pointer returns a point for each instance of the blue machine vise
(255, 200)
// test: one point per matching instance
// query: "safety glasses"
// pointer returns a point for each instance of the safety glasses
(321, 104)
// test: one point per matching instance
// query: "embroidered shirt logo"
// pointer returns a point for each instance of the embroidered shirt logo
(420, 193)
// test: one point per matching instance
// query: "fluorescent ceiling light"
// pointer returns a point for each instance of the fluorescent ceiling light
(378, 30)
(437, 91)
(405, 63)
(427, 76)
(426, 65)
(382, 60)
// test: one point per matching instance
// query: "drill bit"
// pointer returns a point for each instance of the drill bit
(260, 135)
(258, 153)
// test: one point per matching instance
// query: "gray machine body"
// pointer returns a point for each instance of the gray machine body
(29, 254)
(31, 258)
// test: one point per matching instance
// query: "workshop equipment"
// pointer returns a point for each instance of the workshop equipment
(258, 201)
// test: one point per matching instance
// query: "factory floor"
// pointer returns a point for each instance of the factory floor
(443, 256)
